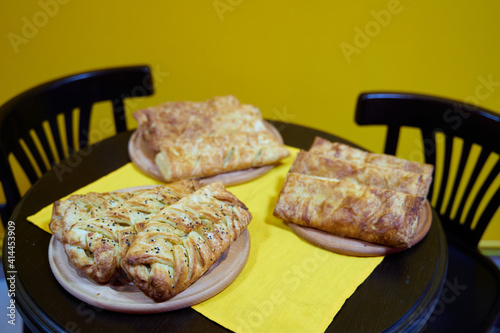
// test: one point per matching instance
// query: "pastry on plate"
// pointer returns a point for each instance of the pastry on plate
(372, 214)
(339, 150)
(203, 139)
(184, 240)
(383, 176)
(214, 155)
(78, 207)
(96, 244)
(170, 122)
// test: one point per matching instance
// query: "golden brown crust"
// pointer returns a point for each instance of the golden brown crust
(96, 245)
(65, 213)
(201, 139)
(56, 222)
(339, 150)
(372, 214)
(183, 241)
(215, 155)
(382, 176)
(170, 122)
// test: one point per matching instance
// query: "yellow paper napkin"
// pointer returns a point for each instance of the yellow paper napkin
(287, 284)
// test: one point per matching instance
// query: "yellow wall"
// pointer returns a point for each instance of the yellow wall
(298, 61)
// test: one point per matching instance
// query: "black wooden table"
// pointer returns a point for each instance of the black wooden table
(399, 295)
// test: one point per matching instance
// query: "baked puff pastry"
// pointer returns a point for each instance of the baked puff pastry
(202, 139)
(339, 150)
(80, 207)
(96, 245)
(183, 241)
(170, 122)
(382, 176)
(375, 215)
(208, 156)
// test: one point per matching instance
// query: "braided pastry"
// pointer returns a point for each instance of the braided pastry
(96, 245)
(78, 207)
(183, 241)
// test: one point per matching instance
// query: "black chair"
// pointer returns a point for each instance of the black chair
(470, 300)
(29, 122)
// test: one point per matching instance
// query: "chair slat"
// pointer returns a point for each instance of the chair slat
(458, 177)
(54, 128)
(119, 114)
(391, 142)
(24, 161)
(84, 125)
(45, 144)
(429, 144)
(35, 153)
(487, 214)
(446, 171)
(68, 123)
(481, 160)
(10, 189)
(480, 194)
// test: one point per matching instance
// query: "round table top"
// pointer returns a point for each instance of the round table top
(398, 295)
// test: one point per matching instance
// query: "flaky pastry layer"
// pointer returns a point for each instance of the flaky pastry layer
(184, 240)
(96, 243)
(383, 176)
(170, 122)
(202, 139)
(339, 150)
(79, 207)
(215, 155)
(342, 208)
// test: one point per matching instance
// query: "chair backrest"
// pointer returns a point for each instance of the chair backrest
(35, 113)
(475, 126)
